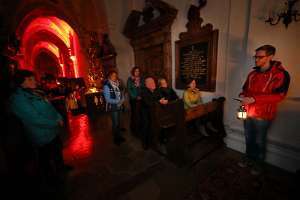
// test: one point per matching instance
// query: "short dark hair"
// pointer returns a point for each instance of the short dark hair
(112, 71)
(269, 49)
(160, 79)
(21, 75)
(189, 80)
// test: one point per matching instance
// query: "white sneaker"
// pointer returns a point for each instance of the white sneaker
(203, 131)
(211, 127)
(245, 162)
(256, 169)
(162, 149)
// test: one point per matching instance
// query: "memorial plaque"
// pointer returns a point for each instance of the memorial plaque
(193, 63)
(196, 59)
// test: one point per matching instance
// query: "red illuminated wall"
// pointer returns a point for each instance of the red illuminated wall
(49, 34)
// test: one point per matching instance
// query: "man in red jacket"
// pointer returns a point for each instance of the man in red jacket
(264, 88)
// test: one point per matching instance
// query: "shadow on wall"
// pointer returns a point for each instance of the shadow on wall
(286, 126)
(239, 64)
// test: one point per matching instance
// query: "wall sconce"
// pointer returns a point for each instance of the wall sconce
(287, 15)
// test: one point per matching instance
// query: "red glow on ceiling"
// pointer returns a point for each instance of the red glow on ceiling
(41, 33)
(54, 25)
(45, 45)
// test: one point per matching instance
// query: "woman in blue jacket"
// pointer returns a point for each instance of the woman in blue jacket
(41, 121)
(113, 94)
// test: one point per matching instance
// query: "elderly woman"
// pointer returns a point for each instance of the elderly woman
(165, 91)
(150, 97)
(41, 121)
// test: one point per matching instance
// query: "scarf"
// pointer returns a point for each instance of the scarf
(137, 81)
(115, 85)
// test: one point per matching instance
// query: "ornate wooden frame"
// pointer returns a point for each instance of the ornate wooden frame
(197, 36)
(151, 41)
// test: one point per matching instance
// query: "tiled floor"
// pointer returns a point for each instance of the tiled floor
(127, 172)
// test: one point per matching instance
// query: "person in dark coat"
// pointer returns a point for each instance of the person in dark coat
(150, 96)
(165, 91)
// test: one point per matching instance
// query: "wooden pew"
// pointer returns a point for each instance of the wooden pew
(175, 117)
(170, 116)
(213, 109)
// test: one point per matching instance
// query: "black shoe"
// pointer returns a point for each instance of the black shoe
(145, 146)
(117, 142)
(66, 168)
(122, 139)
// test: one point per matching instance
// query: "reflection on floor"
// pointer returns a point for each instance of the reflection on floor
(127, 172)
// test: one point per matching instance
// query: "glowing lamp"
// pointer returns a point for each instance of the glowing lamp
(72, 58)
(242, 113)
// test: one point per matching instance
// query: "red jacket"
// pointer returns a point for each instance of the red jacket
(268, 89)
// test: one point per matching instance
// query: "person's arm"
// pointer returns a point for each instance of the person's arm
(174, 95)
(25, 110)
(131, 88)
(146, 97)
(186, 100)
(280, 87)
(244, 88)
(108, 99)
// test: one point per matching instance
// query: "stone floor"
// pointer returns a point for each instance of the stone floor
(127, 172)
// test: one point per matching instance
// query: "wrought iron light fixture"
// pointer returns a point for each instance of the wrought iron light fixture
(287, 15)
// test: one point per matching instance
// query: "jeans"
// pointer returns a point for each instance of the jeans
(256, 135)
(116, 120)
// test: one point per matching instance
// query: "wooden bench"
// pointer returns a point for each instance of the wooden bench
(174, 116)
(213, 109)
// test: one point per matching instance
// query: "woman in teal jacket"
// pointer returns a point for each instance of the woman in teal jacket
(135, 84)
(41, 121)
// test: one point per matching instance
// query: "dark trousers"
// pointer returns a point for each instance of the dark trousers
(116, 121)
(50, 157)
(146, 133)
(256, 135)
(135, 116)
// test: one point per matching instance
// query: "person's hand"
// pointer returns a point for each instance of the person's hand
(121, 103)
(163, 101)
(248, 100)
(138, 98)
(61, 123)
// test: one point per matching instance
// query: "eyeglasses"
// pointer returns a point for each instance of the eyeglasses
(259, 57)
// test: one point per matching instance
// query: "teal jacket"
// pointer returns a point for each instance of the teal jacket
(39, 117)
(134, 91)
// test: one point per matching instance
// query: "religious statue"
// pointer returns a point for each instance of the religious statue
(95, 72)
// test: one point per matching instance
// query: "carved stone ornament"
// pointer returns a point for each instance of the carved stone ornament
(149, 32)
(196, 52)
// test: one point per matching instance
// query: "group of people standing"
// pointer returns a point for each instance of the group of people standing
(143, 93)
(264, 88)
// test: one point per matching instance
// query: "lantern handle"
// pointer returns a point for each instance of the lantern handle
(240, 100)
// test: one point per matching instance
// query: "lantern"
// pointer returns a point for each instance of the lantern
(242, 113)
